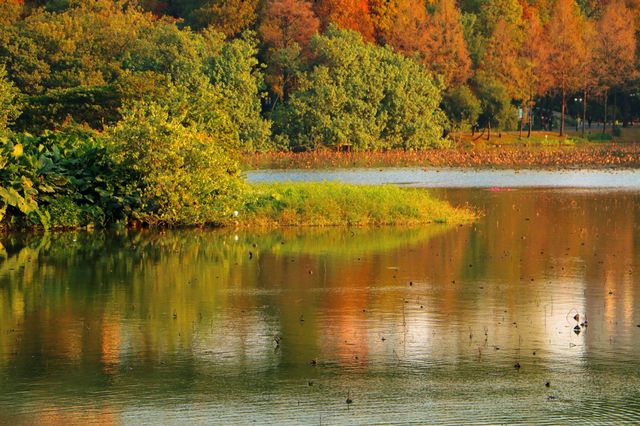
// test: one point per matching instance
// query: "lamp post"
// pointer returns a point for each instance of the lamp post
(577, 99)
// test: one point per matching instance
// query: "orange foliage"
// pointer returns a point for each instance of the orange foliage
(615, 46)
(437, 40)
(349, 14)
(288, 21)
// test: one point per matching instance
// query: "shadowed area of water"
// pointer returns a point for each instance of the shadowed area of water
(460, 178)
(417, 325)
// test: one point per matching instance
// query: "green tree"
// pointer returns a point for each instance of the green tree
(10, 107)
(235, 74)
(497, 111)
(462, 107)
(362, 96)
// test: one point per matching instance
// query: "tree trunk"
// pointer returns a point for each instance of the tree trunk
(604, 125)
(615, 107)
(584, 109)
(564, 105)
(489, 130)
(530, 120)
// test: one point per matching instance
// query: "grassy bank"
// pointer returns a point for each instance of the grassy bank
(317, 204)
(331, 204)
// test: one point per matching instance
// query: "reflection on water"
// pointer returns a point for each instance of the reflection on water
(419, 325)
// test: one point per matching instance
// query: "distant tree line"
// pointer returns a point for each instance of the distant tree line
(84, 60)
(140, 91)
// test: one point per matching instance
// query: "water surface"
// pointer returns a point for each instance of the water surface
(417, 325)
(628, 179)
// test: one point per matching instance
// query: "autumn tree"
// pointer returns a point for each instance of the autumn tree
(286, 28)
(348, 14)
(502, 60)
(383, 14)
(614, 50)
(566, 46)
(447, 52)
(437, 40)
(10, 10)
(587, 65)
(534, 60)
(408, 32)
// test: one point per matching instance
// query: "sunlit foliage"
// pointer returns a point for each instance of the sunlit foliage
(359, 96)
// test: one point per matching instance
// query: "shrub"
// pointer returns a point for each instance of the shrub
(616, 131)
(598, 137)
(180, 174)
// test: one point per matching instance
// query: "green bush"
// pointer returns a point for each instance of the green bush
(181, 174)
(616, 131)
(598, 137)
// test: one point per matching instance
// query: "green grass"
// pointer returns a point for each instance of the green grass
(335, 204)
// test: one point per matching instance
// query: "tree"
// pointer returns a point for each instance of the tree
(495, 102)
(494, 11)
(90, 61)
(287, 22)
(234, 73)
(534, 61)
(447, 53)
(566, 49)
(408, 32)
(502, 60)
(382, 13)
(229, 17)
(362, 96)
(614, 50)
(587, 65)
(9, 100)
(10, 11)
(286, 28)
(348, 14)
(436, 40)
(462, 107)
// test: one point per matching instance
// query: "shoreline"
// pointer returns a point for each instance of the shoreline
(588, 156)
(312, 205)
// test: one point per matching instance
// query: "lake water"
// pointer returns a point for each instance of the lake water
(415, 325)
(460, 178)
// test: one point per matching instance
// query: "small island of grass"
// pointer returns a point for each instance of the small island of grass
(335, 204)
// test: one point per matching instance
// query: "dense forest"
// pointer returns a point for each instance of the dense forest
(114, 109)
